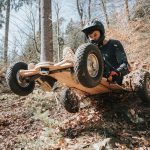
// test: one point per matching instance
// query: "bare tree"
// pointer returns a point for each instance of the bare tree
(89, 9)
(57, 10)
(105, 11)
(80, 11)
(6, 32)
(127, 9)
(46, 31)
(39, 18)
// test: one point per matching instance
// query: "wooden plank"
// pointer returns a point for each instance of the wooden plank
(69, 80)
(61, 65)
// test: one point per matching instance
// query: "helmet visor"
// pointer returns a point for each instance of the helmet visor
(90, 30)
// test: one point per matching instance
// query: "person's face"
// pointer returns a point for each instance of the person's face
(94, 36)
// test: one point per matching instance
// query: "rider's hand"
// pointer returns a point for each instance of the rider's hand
(113, 73)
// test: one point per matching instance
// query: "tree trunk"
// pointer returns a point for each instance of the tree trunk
(80, 12)
(58, 40)
(89, 9)
(105, 13)
(46, 31)
(6, 33)
(39, 18)
(58, 30)
(127, 10)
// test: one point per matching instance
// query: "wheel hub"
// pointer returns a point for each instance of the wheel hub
(92, 65)
(21, 82)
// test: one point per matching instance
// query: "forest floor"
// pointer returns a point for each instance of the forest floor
(39, 122)
(109, 121)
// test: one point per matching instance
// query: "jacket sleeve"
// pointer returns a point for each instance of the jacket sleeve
(121, 58)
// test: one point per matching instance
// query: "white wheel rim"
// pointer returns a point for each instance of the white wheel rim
(21, 83)
(92, 65)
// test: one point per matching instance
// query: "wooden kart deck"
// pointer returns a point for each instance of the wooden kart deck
(68, 79)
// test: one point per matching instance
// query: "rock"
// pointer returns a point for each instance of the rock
(106, 144)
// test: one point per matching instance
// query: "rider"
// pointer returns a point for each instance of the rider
(115, 60)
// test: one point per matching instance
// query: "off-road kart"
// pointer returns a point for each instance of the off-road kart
(85, 74)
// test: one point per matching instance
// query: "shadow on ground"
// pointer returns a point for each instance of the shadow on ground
(121, 117)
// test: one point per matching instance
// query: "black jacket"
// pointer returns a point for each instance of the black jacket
(115, 58)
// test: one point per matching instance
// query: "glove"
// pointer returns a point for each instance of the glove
(113, 76)
(124, 69)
